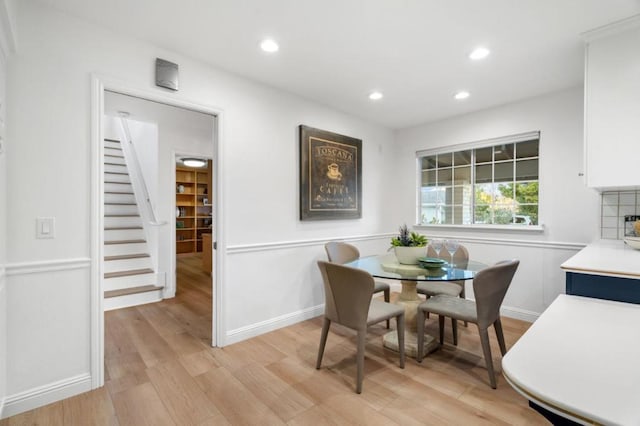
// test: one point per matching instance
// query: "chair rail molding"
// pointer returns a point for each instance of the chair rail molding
(283, 245)
(42, 266)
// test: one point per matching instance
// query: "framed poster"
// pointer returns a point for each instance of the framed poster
(330, 175)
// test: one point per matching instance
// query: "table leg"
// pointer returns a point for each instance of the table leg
(410, 300)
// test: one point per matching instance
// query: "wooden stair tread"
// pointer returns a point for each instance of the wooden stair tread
(118, 192)
(122, 215)
(118, 228)
(114, 156)
(117, 173)
(132, 290)
(124, 242)
(126, 256)
(121, 204)
(111, 140)
(114, 164)
(119, 183)
(128, 273)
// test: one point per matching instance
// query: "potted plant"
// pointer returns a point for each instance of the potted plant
(409, 246)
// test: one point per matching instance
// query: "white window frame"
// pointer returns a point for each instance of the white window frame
(485, 143)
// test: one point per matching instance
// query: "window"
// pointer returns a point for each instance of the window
(491, 182)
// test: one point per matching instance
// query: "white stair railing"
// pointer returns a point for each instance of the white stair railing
(136, 171)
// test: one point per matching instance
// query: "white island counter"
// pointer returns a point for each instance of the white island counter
(607, 258)
(605, 269)
(581, 360)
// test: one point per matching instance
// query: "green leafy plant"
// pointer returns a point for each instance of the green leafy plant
(408, 239)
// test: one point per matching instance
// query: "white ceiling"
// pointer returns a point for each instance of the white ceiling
(337, 51)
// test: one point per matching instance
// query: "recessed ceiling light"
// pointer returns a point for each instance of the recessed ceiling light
(461, 95)
(269, 46)
(374, 96)
(479, 53)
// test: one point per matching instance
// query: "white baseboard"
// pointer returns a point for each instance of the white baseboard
(43, 395)
(253, 330)
(1, 408)
(520, 314)
(129, 300)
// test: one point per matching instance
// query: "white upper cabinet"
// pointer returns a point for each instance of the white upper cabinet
(612, 106)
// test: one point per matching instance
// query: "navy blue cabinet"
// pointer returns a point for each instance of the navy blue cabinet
(602, 287)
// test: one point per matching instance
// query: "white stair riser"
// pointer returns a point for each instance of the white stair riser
(119, 198)
(119, 209)
(115, 168)
(118, 159)
(128, 300)
(123, 234)
(118, 187)
(116, 222)
(113, 150)
(121, 249)
(129, 281)
(127, 264)
(112, 177)
(110, 144)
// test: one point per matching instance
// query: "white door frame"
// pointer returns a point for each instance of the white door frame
(98, 86)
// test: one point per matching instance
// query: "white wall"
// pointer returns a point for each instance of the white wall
(7, 47)
(3, 234)
(49, 121)
(569, 210)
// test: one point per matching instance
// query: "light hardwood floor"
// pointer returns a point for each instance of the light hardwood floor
(160, 370)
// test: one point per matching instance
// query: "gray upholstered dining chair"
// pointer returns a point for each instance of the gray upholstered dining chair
(489, 287)
(339, 252)
(348, 302)
(450, 288)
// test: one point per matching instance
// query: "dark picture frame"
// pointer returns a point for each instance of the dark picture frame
(330, 175)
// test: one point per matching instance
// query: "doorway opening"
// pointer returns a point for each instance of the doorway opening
(181, 128)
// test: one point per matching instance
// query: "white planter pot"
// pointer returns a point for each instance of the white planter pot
(410, 255)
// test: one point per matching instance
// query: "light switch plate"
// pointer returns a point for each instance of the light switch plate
(45, 227)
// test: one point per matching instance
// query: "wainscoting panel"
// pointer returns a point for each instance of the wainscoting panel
(48, 332)
(3, 338)
(286, 280)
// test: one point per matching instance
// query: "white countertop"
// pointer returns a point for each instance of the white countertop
(606, 257)
(581, 359)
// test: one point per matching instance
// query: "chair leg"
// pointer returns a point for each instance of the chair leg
(426, 296)
(420, 334)
(400, 326)
(323, 340)
(464, 296)
(441, 324)
(362, 335)
(454, 325)
(486, 349)
(387, 298)
(498, 326)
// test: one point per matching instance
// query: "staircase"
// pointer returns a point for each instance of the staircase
(129, 278)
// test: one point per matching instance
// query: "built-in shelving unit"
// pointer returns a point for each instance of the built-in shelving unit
(193, 207)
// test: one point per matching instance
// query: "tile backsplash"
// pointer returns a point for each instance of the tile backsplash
(614, 207)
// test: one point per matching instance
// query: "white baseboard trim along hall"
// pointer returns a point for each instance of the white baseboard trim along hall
(253, 330)
(43, 395)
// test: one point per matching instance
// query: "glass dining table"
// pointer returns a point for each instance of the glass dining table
(388, 267)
